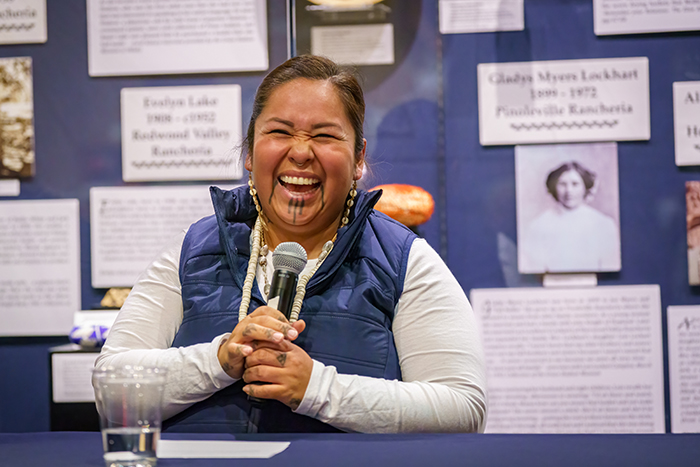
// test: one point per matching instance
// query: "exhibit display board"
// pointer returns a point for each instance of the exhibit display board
(457, 91)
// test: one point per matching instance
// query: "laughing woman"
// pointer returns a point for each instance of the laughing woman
(385, 339)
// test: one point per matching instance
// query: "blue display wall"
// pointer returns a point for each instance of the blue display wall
(422, 129)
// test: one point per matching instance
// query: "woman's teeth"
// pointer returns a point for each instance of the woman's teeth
(298, 180)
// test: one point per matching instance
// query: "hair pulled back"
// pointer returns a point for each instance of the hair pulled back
(319, 68)
(587, 176)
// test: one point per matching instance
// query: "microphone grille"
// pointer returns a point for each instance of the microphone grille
(289, 256)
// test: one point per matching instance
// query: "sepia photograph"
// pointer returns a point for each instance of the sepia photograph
(567, 208)
(16, 118)
(692, 202)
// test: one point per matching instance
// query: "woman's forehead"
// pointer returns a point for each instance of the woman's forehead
(308, 106)
(571, 173)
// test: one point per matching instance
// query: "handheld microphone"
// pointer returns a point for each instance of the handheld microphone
(288, 259)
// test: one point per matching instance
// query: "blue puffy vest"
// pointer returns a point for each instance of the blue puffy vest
(348, 308)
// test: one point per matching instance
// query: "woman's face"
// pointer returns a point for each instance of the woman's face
(303, 163)
(571, 190)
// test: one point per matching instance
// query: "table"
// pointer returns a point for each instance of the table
(78, 449)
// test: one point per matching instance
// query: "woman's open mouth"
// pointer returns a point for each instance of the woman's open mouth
(301, 185)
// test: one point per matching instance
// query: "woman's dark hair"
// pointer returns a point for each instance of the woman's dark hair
(314, 68)
(587, 176)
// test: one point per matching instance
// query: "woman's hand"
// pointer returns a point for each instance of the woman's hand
(285, 370)
(265, 325)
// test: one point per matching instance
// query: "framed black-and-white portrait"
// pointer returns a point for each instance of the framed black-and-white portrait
(568, 208)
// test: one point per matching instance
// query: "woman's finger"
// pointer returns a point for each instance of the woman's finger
(267, 356)
(270, 321)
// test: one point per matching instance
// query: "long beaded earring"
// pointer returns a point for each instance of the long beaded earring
(254, 193)
(348, 205)
(263, 226)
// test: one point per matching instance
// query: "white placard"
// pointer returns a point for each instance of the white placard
(22, 21)
(569, 280)
(465, 16)
(573, 361)
(146, 37)
(130, 225)
(71, 376)
(643, 16)
(686, 122)
(181, 133)
(39, 267)
(564, 101)
(684, 368)
(9, 187)
(365, 44)
(205, 449)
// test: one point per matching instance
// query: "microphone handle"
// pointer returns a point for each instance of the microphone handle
(282, 290)
(281, 297)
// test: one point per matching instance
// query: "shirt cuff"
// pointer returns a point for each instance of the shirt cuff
(312, 390)
(219, 377)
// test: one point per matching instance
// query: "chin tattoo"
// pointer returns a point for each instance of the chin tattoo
(274, 185)
(295, 207)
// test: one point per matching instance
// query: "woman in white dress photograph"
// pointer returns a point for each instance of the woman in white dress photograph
(570, 235)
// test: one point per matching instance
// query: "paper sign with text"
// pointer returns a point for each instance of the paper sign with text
(364, 44)
(39, 266)
(127, 37)
(643, 16)
(130, 225)
(686, 122)
(585, 360)
(564, 101)
(684, 367)
(468, 16)
(22, 21)
(71, 376)
(181, 133)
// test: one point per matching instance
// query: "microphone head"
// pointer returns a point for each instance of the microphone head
(289, 256)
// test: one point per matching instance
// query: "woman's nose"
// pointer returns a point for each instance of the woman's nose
(301, 153)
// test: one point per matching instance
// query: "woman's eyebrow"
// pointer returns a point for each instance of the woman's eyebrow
(282, 121)
(316, 126)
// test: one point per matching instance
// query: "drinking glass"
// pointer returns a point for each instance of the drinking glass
(129, 402)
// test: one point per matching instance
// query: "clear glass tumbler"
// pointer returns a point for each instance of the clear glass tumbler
(129, 402)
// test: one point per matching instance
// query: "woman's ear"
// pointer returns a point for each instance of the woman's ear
(360, 164)
(248, 163)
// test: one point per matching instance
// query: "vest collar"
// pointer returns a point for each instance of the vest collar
(236, 207)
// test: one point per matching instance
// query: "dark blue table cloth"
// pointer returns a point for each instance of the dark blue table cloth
(78, 449)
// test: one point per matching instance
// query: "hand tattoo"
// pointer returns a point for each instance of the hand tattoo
(294, 403)
(282, 359)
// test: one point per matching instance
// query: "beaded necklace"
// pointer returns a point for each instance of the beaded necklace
(259, 251)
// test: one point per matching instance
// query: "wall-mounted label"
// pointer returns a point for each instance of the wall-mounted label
(364, 44)
(585, 360)
(127, 37)
(130, 225)
(686, 122)
(22, 21)
(466, 16)
(181, 133)
(642, 16)
(683, 369)
(39, 266)
(564, 101)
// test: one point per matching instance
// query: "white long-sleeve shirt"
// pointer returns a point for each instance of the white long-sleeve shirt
(440, 354)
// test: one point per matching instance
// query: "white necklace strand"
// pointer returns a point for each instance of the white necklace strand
(256, 258)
